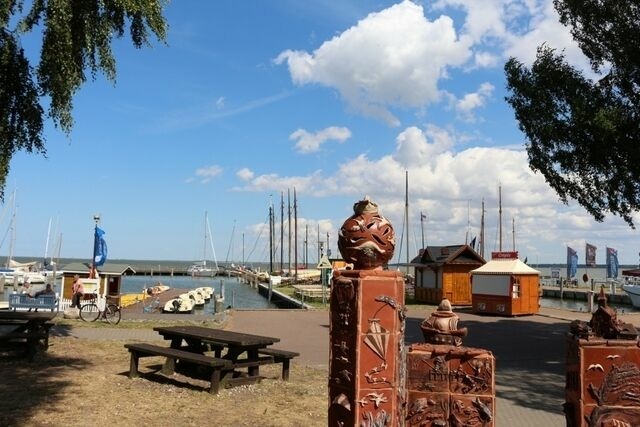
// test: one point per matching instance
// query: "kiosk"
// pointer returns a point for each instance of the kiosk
(505, 285)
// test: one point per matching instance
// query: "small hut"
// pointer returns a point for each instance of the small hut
(443, 272)
(505, 285)
(106, 285)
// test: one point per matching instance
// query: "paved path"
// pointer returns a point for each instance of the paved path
(529, 350)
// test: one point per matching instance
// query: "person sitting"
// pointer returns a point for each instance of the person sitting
(46, 291)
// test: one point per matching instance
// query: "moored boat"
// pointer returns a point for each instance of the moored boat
(178, 306)
(633, 290)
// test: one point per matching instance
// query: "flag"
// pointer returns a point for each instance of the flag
(99, 248)
(473, 243)
(612, 263)
(572, 263)
(590, 255)
(422, 216)
(526, 259)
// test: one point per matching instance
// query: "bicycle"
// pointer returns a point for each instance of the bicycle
(90, 312)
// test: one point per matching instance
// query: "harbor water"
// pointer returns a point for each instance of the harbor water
(236, 294)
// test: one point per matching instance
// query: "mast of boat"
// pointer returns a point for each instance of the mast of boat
(305, 257)
(513, 231)
(422, 218)
(281, 231)
(481, 246)
(12, 236)
(406, 211)
(46, 245)
(289, 227)
(213, 249)
(500, 216)
(270, 238)
(295, 234)
(204, 242)
(466, 235)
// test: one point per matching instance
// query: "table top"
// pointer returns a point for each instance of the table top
(216, 335)
(27, 315)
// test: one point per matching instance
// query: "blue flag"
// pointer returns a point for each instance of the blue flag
(99, 248)
(612, 263)
(473, 244)
(572, 263)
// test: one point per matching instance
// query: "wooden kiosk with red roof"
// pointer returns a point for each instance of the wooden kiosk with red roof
(505, 285)
(443, 272)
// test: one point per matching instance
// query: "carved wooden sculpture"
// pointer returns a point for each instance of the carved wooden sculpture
(603, 371)
(366, 383)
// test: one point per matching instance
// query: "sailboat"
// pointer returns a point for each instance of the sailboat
(201, 269)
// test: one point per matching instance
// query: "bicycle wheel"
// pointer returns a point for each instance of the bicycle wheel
(112, 314)
(89, 312)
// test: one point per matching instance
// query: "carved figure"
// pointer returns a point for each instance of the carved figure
(366, 238)
(604, 323)
(442, 326)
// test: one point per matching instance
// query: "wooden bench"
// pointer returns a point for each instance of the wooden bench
(139, 350)
(45, 302)
(26, 340)
(281, 356)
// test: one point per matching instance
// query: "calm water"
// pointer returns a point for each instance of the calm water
(236, 294)
(577, 305)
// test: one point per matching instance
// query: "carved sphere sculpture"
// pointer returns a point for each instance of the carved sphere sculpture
(366, 239)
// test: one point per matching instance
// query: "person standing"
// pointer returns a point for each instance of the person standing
(78, 291)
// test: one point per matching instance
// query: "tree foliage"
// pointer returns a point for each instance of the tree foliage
(76, 39)
(583, 132)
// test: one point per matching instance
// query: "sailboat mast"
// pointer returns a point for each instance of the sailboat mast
(46, 245)
(513, 231)
(281, 231)
(270, 238)
(481, 246)
(295, 234)
(204, 241)
(500, 216)
(289, 227)
(406, 209)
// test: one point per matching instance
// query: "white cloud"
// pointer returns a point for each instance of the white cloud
(466, 106)
(395, 57)
(245, 174)
(208, 173)
(310, 142)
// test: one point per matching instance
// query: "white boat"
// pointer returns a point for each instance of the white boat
(633, 290)
(196, 298)
(205, 291)
(201, 269)
(178, 306)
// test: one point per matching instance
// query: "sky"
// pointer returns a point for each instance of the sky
(248, 101)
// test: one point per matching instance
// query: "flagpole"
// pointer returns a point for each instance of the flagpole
(422, 216)
(92, 274)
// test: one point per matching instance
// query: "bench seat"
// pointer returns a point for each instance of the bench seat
(138, 350)
(281, 356)
(44, 302)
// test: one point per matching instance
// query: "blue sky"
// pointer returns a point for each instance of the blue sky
(248, 100)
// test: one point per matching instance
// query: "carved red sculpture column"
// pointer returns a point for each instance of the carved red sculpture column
(366, 383)
(602, 371)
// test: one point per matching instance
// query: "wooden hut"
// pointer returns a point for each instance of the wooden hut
(443, 272)
(505, 285)
(107, 285)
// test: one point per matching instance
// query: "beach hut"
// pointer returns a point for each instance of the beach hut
(505, 285)
(443, 272)
(107, 285)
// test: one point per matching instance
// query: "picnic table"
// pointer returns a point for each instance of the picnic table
(236, 357)
(24, 330)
